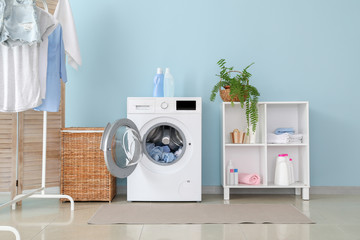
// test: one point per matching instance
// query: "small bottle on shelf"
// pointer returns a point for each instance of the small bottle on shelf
(291, 171)
(236, 176)
(228, 168)
(232, 177)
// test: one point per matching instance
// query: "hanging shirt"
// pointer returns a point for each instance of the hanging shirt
(56, 69)
(18, 23)
(64, 15)
(43, 58)
(19, 68)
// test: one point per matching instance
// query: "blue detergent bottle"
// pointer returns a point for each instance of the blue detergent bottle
(159, 84)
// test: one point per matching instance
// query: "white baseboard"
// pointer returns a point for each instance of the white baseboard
(313, 190)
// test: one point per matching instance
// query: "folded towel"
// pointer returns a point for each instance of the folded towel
(295, 140)
(250, 179)
(278, 139)
(296, 136)
(279, 131)
(285, 138)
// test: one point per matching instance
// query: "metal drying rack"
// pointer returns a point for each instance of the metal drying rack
(35, 193)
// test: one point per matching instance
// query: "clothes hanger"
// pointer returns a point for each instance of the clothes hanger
(45, 5)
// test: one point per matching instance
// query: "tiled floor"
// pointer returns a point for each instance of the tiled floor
(337, 217)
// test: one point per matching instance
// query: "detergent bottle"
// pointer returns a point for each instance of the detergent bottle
(159, 84)
(168, 84)
(282, 174)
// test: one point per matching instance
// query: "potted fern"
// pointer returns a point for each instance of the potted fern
(237, 89)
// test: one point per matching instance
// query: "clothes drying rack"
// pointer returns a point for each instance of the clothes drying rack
(35, 193)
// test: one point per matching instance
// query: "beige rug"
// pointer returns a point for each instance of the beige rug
(183, 213)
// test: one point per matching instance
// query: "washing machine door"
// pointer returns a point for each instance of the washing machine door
(121, 143)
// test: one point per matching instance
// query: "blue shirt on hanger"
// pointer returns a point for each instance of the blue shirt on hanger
(56, 70)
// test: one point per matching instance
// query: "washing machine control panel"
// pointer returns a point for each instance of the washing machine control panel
(171, 105)
(163, 105)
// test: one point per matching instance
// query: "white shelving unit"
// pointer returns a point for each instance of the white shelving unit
(260, 157)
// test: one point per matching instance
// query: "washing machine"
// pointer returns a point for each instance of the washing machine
(157, 148)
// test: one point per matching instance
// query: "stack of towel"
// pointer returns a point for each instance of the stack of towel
(285, 136)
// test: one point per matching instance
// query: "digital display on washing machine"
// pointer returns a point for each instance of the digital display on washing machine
(186, 105)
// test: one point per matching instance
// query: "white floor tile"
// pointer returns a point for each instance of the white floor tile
(336, 217)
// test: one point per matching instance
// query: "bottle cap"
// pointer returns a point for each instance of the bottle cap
(231, 170)
(283, 155)
(167, 70)
(235, 170)
(159, 71)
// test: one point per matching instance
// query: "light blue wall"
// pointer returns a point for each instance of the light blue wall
(303, 50)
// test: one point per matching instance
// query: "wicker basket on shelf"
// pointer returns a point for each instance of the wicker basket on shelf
(84, 175)
(225, 93)
(225, 96)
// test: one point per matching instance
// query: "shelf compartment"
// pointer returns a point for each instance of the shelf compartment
(288, 115)
(299, 154)
(234, 118)
(247, 160)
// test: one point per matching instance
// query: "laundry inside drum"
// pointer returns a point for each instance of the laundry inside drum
(164, 144)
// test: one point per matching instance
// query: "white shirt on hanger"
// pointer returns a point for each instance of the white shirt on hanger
(19, 72)
(63, 14)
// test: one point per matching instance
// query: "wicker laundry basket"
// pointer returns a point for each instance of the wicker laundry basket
(84, 175)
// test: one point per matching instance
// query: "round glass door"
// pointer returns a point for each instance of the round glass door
(122, 147)
(126, 147)
(164, 144)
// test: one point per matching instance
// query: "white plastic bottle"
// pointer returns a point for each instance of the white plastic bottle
(228, 169)
(236, 176)
(282, 176)
(291, 171)
(169, 88)
(232, 177)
